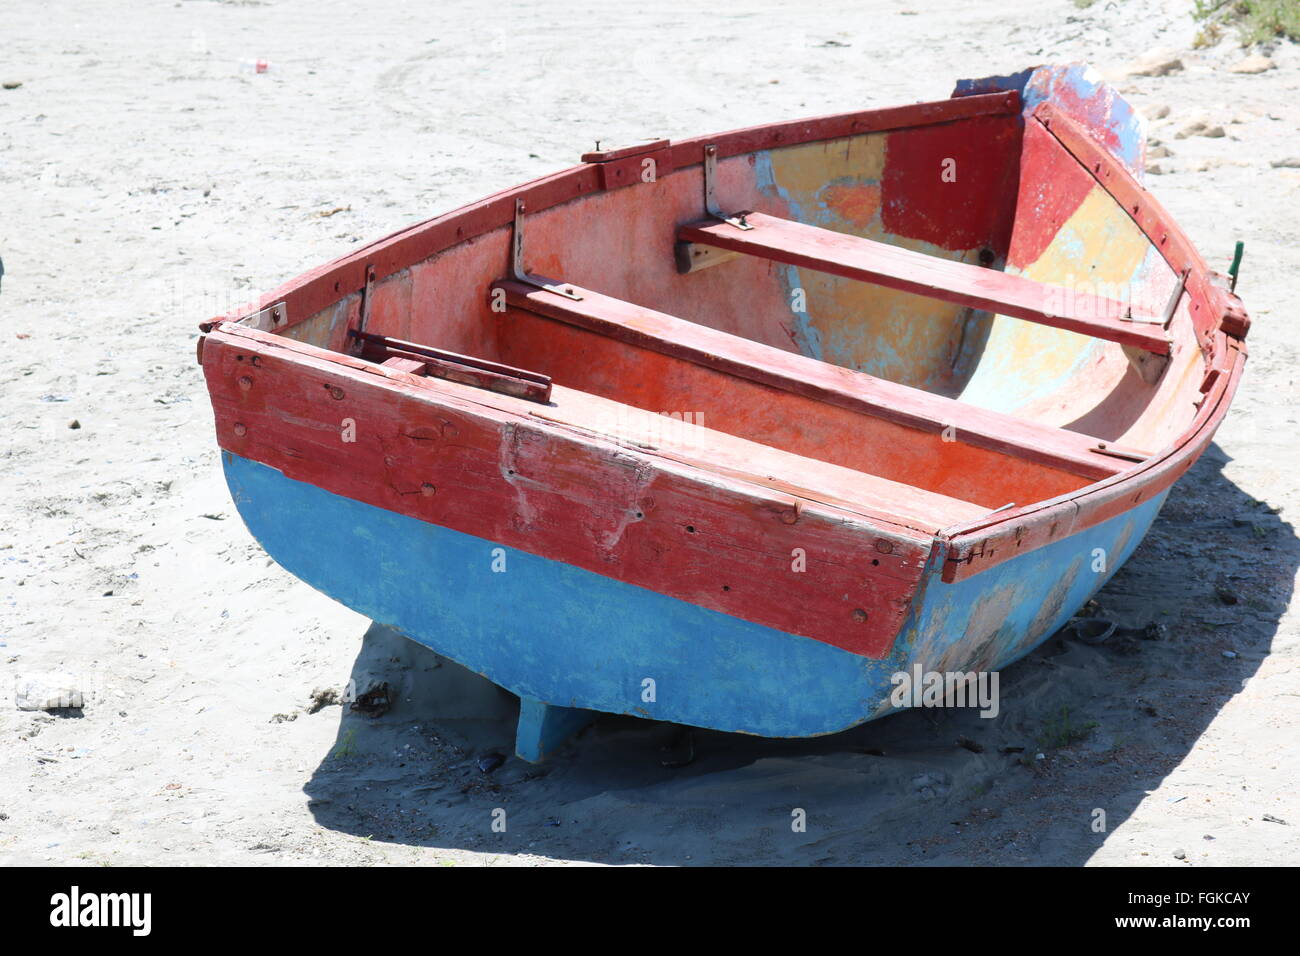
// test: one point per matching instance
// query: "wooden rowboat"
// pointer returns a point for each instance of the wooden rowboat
(730, 431)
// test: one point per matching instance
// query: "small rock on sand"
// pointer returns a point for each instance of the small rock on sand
(322, 697)
(52, 691)
(1158, 112)
(1154, 63)
(1180, 854)
(1201, 128)
(1253, 64)
(1291, 162)
(1159, 152)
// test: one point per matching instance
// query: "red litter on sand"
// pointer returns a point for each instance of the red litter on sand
(261, 66)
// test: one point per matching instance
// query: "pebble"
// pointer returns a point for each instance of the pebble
(1180, 854)
(1253, 64)
(1201, 128)
(1291, 162)
(1230, 654)
(1155, 63)
(1158, 112)
(74, 424)
(12, 84)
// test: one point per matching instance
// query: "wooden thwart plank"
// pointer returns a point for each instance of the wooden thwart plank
(853, 257)
(623, 321)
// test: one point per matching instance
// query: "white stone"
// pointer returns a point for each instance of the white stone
(51, 691)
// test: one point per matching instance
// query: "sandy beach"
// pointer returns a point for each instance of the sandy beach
(151, 177)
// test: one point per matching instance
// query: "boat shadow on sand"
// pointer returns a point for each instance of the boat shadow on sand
(1112, 721)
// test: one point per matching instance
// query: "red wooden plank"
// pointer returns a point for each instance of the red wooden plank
(609, 155)
(867, 260)
(437, 452)
(626, 322)
(405, 365)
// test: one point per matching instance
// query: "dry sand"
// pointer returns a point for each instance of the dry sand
(147, 181)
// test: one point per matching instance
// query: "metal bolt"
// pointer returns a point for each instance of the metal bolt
(860, 616)
(240, 429)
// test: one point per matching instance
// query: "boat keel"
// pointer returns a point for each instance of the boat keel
(544, 728)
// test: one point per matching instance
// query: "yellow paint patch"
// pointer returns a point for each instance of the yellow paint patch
(1097, 251)
(801, 172)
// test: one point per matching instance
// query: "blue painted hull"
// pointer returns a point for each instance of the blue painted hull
(573, 638)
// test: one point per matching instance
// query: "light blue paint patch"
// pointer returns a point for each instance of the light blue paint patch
(1086, 97)
(995, 618)
(558, 634)
(995, 84)
(808, 339)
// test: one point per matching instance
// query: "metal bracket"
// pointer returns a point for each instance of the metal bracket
(363, 309)
(1172, 305)
(268, 319)
(517, 260)
(711, 198)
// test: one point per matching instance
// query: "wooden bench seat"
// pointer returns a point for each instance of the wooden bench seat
(853, 257)
(776, 470)
(743, 358)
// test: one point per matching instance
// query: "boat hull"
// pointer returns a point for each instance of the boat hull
(925, 425)
(549, 631)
